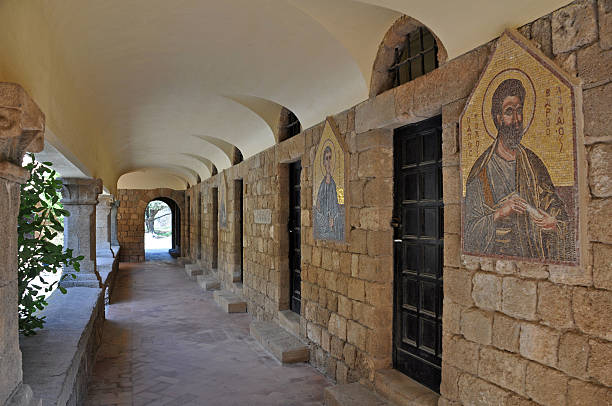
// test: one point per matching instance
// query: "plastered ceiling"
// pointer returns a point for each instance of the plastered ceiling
(162, 89)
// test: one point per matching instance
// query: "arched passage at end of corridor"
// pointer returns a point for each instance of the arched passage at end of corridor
(162, 225)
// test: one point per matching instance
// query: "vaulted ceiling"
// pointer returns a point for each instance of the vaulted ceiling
(164, 89)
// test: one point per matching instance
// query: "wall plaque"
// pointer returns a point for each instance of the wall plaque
(519, 158)
(263, 216)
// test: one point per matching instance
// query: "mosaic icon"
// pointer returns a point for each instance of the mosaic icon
(329, 187)
(518, 159)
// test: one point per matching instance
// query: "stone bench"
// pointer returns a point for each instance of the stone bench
(208, 282)
(57, 361)
(286, 347)
(230, 302)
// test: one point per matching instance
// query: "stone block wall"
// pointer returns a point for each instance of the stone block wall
(514, 333)
(130, 219)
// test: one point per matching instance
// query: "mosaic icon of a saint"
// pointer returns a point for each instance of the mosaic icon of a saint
(329, 219)
(512, 207)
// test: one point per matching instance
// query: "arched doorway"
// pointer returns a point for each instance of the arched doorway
(162, 229)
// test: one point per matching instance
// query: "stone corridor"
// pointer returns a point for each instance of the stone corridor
(166, 342)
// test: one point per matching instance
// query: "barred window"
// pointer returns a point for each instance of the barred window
(416, 57)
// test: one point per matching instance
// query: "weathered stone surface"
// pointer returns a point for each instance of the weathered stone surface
(580, 393)
(602, 267)
(458, 286)
(476, 325)
(461, 353)
(519, 298)
(545, 385)
(596, 108)
(449, 387)
(451, 317)
(593, 312)
(600, 361)
(574, 354)
(594, 65)
(476, 392)
(571, 275)
(541, 34)
(532, 270)
(487, 291)
(539, 343)
(555, 305)
(574, 26)
(506, 332)
(600, 166)
(503, 369)
(605, 23)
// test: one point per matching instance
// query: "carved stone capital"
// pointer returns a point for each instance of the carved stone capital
(81, 191)
(22, 127)
(105, 202)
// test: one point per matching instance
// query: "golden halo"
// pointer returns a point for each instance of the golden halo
(331, 146)
(528, 104)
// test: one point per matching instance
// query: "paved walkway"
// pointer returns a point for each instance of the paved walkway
(167, 343)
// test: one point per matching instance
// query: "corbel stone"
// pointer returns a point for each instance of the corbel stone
(22, 126)
(80, 197)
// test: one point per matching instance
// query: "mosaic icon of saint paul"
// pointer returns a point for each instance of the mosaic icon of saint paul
(329, 214)
(512, 207)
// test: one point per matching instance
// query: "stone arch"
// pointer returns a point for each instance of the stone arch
(130, 219)
(382, 79)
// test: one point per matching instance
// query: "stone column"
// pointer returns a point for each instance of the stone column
(113, 223)
(21, 129)
(103, 210)
(80, 197)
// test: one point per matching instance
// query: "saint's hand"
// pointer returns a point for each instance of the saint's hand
(514, 204)
(331, 222)
(545, 220)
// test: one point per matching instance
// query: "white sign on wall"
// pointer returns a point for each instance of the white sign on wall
(263, 216)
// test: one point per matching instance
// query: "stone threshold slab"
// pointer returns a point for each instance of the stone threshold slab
(352, 394)
(193, 270)
(208, 282)
(286, 347)
(399, 389)
(230, 302)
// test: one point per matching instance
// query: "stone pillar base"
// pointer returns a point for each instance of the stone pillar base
(23, 396)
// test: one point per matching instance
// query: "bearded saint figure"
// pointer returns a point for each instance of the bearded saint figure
(511, 205)
(329, 217)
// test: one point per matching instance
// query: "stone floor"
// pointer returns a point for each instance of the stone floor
(167, 343)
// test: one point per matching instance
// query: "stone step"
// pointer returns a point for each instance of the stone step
(183, 260)
(290, 321)
(193, 270)
(352, 394)
(208, 282)
(399, 389)
(230, 302)
(286, 347)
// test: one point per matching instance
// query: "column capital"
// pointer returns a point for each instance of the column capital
(105, 201)
(81, 191)
(22, 127)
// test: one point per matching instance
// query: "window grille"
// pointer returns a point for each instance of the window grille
(293, 126)
(416, 57)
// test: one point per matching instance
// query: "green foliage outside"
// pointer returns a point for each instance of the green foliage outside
(40, 220)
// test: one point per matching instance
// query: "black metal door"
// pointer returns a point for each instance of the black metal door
(295, 221)
(418, 251)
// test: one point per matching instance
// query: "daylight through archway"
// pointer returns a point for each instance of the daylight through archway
(158, 229)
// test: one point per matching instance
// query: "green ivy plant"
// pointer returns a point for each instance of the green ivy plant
(40, 220)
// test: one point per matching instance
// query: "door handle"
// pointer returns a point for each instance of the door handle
(396, 222)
